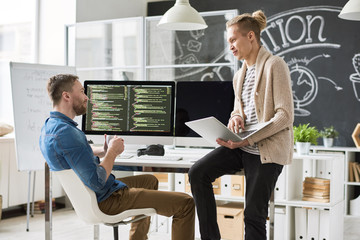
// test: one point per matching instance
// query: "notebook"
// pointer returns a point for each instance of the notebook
(211, 129)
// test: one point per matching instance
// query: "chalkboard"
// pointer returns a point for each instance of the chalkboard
(198, 57)
(321, 50)
(31, 108)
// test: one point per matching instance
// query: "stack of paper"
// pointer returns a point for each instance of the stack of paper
(354, 172)
(316, 189)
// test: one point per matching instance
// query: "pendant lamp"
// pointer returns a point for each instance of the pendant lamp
(182, 17)
(351, 11)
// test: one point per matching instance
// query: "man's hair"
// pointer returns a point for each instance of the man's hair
(255, 22)
(58, 84)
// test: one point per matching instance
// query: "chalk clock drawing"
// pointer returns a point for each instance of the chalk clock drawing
(295, 30)
(355, 77)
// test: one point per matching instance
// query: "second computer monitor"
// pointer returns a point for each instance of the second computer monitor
(195, 100)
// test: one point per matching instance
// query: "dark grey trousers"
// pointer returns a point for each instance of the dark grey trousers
(260, 182)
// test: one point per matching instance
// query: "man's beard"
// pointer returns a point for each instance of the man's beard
(79, 109)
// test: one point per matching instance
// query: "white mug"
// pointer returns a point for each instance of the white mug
(108, 138)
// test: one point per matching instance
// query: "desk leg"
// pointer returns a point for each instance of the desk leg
(48, 204)
(96, 232)
(272, 216)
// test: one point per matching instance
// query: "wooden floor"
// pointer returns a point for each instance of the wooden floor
(66, 225)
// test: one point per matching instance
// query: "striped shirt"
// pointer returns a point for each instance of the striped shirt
(247, 98)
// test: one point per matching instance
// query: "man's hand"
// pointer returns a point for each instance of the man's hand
(235, 123)
(232, 145)
(116, 145)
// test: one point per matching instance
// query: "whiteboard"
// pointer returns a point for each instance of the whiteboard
(32, 107)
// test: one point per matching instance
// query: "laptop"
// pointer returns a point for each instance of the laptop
(211, 129)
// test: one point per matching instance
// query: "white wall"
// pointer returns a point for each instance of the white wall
(11, 12)
(17, 22)
(92, 10)
(54, 15)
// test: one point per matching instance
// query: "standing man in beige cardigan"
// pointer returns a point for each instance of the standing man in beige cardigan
(262, 93)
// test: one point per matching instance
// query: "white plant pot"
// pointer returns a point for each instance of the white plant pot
(328, 142)
(303, 148)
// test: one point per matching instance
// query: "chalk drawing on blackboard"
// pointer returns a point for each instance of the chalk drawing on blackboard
(191, 55)
(188, 59)
(290, 34)
(355, 77)
(305, 83)
(194, 46)
(221, 72)
(337, 87)
(163, 44)
(196, 34)
(297, 29)
(207, 75)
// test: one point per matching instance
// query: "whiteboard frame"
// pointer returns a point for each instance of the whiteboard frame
(28, 154)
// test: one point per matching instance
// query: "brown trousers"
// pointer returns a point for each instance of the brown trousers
(142, 193)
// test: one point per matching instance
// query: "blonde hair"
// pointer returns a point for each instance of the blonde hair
(255, 22)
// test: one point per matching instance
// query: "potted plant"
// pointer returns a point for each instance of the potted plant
(328, 134)
(304, 136)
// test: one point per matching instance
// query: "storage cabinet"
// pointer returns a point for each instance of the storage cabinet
(328, 214)
(351, 189)
(288, 194)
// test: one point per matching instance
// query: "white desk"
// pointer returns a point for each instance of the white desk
(189, 157)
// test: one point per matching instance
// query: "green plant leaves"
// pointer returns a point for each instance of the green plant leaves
(329, 132)
(305, 133)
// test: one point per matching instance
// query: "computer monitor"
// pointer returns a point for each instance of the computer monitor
(195, 100)
(141, 112)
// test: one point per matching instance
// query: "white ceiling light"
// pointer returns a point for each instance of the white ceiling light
(351, 10)
(182, 17)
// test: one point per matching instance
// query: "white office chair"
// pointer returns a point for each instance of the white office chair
(86, 206)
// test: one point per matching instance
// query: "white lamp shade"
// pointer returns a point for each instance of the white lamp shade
(351, 10)
(182, 17)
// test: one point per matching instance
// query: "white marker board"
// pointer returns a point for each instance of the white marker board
(32, 106)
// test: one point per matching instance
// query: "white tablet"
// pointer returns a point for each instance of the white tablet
(211, 129)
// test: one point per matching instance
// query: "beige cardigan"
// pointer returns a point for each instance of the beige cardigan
(273, 101)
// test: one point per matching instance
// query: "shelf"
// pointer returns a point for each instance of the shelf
(339, 149)
(229, 198)
(317, 156)
(352, 216)
(299, 203)
(353, 183)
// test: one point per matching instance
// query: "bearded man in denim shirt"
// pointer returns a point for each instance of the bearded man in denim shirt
(64, 146)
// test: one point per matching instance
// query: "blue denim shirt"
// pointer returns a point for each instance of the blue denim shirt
(64, 146)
